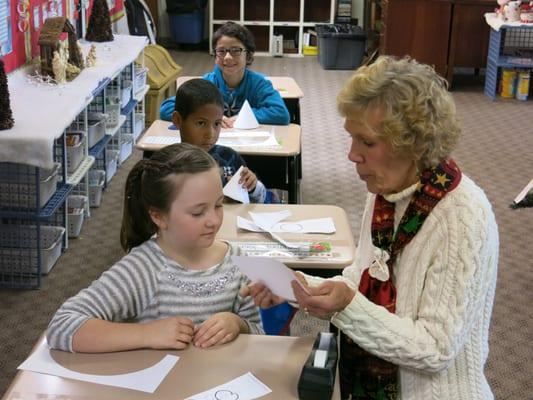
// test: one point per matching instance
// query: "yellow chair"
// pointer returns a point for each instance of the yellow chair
(162, 74)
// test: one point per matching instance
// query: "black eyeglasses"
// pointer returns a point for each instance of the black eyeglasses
(221, 52)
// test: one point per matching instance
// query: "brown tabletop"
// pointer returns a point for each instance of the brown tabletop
(285, 85)
(275, 360)
(342, 242)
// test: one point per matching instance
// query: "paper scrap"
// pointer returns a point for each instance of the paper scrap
(267, 220)
(235, 190)
(146, 380)
(161, 140)
(245, 387)
(272, 273)
(246, 118)
(247, 139)
(318, 225)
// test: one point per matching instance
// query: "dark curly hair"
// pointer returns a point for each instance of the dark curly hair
(239, 32)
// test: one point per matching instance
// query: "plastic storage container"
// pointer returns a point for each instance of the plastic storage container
(340, 46)
(18, 245)
(112, 110)
(125, 94)
(96, 129)
(75, 152)
(187, 28)
(18, 185)
(126, 147)
(76, 206)
(96, 187)
(111, 163)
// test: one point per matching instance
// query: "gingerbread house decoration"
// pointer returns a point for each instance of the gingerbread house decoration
(53, 32)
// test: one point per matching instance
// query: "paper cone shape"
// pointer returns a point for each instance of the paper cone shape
(246, 118)
(234, 189)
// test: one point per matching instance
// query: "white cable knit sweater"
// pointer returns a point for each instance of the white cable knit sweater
(445, 280)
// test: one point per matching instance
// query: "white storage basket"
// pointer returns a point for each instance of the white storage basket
(96, 129)
(96, 187)
(113, 112)
(75, 155)
(76, 214)
(18, 242)
(21, 191)
(139, 82)
(125, 93)
(138, 127)
(111, 163)
(126, 147)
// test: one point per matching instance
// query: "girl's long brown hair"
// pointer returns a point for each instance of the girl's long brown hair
(149, 186)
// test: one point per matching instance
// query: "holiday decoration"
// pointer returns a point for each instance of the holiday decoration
(58, 35)
(99, 28)
(59, 68)
(6, 116)
(91, 57)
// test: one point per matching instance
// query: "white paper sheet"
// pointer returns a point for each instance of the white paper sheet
(245, 387)
(166, 140)
(274, 274)
(235, 138)
(146, 380)
(246, 118)
(318, 225)
(228, 138)
(235, 190)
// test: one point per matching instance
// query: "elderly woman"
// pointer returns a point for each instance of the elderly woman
(414, 308)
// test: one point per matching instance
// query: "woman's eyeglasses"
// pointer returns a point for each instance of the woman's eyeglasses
(221, 52)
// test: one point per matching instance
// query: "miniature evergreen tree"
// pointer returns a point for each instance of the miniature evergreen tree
(99, 28)
(6, 116)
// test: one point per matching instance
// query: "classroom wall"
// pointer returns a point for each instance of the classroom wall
(38, 11)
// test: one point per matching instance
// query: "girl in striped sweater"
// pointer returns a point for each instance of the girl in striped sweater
(177, 284)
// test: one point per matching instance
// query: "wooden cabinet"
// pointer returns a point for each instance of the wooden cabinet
(266, 18)
(442, 33)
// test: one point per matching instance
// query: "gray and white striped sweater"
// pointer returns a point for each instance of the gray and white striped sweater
(146, 285)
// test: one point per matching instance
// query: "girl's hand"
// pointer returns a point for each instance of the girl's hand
(248, 179)
(262, 295)
(168, 333)
(219, 329)
(324, 300)
(227, 122)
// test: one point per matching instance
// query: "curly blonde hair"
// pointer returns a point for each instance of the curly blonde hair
(419, 113)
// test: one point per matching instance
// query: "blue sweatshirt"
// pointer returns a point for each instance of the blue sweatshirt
(266, 102)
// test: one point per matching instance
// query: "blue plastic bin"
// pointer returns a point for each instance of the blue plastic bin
(187, 28)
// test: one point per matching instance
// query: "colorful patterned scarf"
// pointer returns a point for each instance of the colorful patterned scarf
(363, 375)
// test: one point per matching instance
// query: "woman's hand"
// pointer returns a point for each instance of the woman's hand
(219, 329)
(248, 179)
(227, 122)
(168, 333)
(262, 295)
(325, 300)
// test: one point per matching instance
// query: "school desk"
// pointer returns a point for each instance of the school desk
(276, 167)
(275, 360)
(342, 242)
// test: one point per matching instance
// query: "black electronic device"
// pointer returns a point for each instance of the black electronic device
(317, 379)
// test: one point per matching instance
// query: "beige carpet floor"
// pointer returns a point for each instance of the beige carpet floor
(496, 150)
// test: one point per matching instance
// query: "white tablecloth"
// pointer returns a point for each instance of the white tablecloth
(496, 22)
(42, 112)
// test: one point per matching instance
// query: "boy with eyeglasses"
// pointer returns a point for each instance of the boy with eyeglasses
(234, 48)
